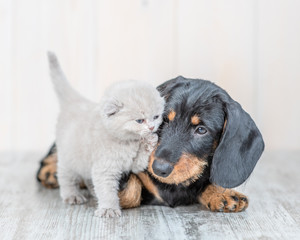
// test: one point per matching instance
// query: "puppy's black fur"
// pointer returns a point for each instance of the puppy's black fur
(226, 138)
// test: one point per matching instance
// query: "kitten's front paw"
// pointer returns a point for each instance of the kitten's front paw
(151, 142)
(108, 212)
(75, 199)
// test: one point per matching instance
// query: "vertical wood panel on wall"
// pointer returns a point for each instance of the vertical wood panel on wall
(26, 72)
(215, 42)
(250, 48)
(279, 72)
(97, 42)
(6, 140)
(135, 41)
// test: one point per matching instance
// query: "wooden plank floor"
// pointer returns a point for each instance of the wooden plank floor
(28, 211)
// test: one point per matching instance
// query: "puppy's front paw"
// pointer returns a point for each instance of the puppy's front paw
(108, 212)
(218, 199)
(228, 202)
(47, 172)
(75, 199)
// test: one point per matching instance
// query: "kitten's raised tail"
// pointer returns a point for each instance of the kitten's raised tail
(66, 94)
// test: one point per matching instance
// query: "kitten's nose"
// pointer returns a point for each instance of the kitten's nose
(151, 128)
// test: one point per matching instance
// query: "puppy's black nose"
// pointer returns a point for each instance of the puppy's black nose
(162, 168)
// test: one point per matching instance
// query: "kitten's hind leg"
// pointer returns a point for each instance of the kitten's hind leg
(69, 191)
(89, 184)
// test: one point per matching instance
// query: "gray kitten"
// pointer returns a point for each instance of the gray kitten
(97, 142)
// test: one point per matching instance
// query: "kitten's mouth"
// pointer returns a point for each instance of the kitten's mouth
(145, 134)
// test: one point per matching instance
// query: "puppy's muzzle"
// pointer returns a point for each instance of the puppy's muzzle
(162, 168)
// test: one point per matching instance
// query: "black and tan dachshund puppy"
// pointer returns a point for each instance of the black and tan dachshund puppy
(208, 144)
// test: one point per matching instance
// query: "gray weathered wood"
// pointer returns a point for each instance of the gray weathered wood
(28, 211)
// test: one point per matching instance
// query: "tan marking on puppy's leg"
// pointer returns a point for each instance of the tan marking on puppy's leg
(47, 172)
(50, 159)
(171, 115)
(131, 196)
(47, 176)
(149, 185)
(219, 199)
(186, 171)
(195, 120)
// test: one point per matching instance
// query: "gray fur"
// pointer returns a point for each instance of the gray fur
(97, 142)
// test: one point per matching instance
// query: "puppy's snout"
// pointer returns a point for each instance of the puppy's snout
(163, 153)
(162, 168)
(151, 128)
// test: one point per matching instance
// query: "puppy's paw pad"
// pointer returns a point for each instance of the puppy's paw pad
(108, 213)
(75, 199)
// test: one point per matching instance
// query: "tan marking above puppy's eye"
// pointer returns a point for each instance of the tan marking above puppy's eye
(171, 115)
(195, 120)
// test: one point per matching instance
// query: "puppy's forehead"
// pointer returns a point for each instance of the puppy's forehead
(190, 108)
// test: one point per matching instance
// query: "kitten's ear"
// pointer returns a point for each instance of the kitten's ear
(111, 107)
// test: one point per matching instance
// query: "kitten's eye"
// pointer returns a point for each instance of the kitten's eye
(140, 121)
(201, 130)
(156, 117)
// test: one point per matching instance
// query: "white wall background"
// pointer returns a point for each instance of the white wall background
(251, 48)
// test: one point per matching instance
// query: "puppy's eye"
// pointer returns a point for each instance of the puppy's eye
(201, 130)
(156, 117)
(140, 121)
(166, 120)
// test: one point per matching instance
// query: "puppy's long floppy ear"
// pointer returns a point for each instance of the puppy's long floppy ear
(111, 107)
(240, 147)
(166, 88)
